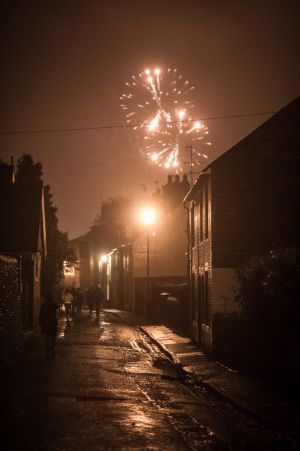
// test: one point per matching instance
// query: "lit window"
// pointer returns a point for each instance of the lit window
(68, 270)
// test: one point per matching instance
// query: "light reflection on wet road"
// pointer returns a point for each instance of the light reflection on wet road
(101, 391)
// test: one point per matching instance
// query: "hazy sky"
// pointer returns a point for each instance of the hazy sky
(64, 65)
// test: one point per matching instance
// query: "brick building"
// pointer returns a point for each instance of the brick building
(243, 204)
(124, 272)
(113, 251)
(23, 240)
(109, 231)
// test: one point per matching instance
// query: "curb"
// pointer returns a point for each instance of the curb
(221, 395)
(166, 351)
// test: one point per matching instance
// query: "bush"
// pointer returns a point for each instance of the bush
(268, 290)
(268, 296)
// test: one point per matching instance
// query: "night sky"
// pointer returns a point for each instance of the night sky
(64, 65)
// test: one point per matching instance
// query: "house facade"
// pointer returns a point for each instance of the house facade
(109, 231)
(10, 302)
(116, 277)
(124, 271)
(113, 253)
(167, 257)
(243, 204)
(23, 238)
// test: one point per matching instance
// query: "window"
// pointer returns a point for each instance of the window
(69, 270)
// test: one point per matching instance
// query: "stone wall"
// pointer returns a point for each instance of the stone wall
(10, 303)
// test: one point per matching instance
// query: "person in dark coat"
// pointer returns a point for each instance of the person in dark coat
(74, 300)
(79, 300)
(98, 295)
(48, 322)
(90, 299)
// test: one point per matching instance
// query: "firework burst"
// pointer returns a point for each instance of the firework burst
(159, 106)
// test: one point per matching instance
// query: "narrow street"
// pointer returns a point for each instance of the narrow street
(108, 387)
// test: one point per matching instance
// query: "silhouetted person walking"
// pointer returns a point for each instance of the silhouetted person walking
(74, 301)
(90, 299)
(98, 295)
(68, 299)
(79, 300)
(48, 322)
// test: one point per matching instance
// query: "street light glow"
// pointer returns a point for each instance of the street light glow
(149, 216)
(104, 258)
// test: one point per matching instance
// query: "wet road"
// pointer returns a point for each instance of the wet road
(106, 388)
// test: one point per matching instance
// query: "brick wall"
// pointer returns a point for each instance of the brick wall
(253, 194)
(201, 265)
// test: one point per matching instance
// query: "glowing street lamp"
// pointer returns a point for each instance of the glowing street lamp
(149, 216)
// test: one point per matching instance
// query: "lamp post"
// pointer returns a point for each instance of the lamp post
(149, 216)
(148, 278)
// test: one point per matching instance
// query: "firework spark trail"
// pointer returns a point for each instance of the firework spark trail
(161, 105)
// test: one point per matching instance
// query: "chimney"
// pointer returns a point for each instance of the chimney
(185, 183)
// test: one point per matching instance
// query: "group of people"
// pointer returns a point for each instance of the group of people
(73, 300)
(94, 299)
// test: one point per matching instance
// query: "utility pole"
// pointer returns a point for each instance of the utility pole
(148, 279)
